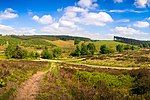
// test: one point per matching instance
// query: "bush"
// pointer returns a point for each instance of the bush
(105, 50)
(91, 48)
(57, 52)
(84, 50)
(119, 48)
(2, 83)
(142, 80)
(47, 54)
(33, 54)
(9, 51)
(19, 53)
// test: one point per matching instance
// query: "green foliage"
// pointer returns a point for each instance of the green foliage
(110, 80)
(119, 48)
(76, 52)
(33, 54)
(19, 53)
(47, 54)
(77, 41)
(105, 50)
(84, 50)
(57, 52)
(91, 48)
(9, 51)
(2, 83)
(142, 80)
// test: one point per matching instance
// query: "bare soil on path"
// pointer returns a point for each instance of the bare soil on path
(29, 89)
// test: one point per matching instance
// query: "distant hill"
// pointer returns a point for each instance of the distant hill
(145, 44)
(52, 37)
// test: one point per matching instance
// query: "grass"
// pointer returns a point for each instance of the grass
(14, 73)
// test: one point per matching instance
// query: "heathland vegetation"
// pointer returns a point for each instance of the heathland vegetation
(73, 68)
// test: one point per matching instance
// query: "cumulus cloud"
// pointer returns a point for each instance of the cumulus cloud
(141, 24)
(118, 1)
(9, 13)
(97, 19)
(45, 19)
(141, 3)
(126, 30)
(88, 4)
(8, 30)
(123, 20)
(126, 10)
(131, 33)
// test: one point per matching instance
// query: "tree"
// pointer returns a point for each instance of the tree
(84, 50)
(119, 48)
(76, 52)
(9, 51)
(105, 50)
(91, 48)
(57, 52)
(77, 41)
(19, 53)
(47, 54)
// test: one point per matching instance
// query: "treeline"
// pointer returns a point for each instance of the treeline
(142, 44)
(90, 49)
(17, 52)
(51, 37)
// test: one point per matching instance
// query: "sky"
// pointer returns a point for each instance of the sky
(95, 19)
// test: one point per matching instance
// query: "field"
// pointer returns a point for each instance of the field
(113, 76)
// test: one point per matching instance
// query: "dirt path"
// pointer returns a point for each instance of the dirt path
(30, 88)
(95, 66)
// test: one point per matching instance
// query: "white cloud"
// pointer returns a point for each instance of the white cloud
(45, 19)
(88, 4)
(127, 30)
(5, 28)
(126, 10)
(8, 30)
(118, 1)
(97, 19)
(123, 20)
(59, 9)
(141, 3)
(130, 33)
(9, 13)
(141, 24)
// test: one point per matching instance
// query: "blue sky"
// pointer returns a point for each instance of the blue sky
(96, 19)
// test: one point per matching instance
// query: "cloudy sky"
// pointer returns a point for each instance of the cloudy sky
(97, 19)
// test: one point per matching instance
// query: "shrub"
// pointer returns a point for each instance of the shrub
(91, 48)
(19, 53)
(57, 52)
(105, 50)
(119, 48)
(47, 54)
(84, 50)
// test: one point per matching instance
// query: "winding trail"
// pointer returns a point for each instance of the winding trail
(30, 88)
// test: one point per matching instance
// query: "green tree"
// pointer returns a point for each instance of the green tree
(84, 50)
(119, 48)
(57, 52)
(19, 53)
(47, 54)
(105, 50)
(76, 52)
(77, 41)
(9, 51)
(91, 48)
